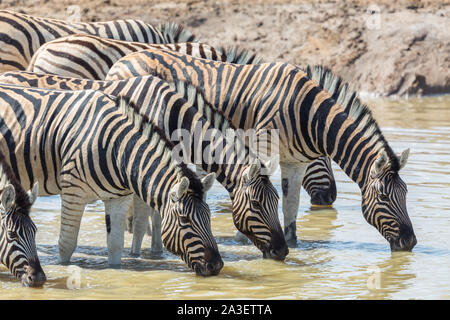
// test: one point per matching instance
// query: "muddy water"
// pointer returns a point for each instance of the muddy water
(338, 255)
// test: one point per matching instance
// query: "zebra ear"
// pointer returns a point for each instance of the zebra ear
(252, 171)
(404, 158)
(208, 181)
(179, 189)
(270, 167)
(379, 164)
(33, 193)
(8, 197)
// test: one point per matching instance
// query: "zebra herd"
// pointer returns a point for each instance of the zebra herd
(90, 111)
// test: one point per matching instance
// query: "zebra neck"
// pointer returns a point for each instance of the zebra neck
(147, 169)
(352, 146)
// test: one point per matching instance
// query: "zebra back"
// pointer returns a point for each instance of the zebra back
(91, 57)
(22, 34)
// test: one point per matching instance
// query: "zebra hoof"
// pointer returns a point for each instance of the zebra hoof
(134, 255)
(290, 236)
(156, 254)
(292, 243)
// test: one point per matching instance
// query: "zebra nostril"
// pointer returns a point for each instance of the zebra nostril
(210, 266)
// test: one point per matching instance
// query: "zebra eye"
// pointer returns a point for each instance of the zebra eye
(256, 205)
(384, 198)
(184, 220)
(12, 235)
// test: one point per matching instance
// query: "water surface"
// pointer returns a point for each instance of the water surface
(339, 255)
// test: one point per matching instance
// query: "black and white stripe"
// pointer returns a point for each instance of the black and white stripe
(310, 121)
(21, 34)
(17, 231)
(86, 146)
(91, 57)
(254, 198)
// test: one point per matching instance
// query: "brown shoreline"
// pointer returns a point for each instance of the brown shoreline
(382, 48)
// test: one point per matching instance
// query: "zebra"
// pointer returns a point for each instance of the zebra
(311, 124)
(86, 145)
(254, 198)
(17, 231)
(90, 57)
(21, 34)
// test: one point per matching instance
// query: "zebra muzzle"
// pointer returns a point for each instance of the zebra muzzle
(34, 276)
(211, 266)
(277, 249)
(404, 244)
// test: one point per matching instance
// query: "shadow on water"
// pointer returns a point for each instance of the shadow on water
(96, 257)
(391, 276)
(222, 207)
(320, 223)
(362, 246)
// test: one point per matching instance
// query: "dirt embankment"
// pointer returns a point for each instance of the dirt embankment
(382, 47)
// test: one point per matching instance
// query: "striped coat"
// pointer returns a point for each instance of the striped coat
(17, 231)
(21, 34)
(91, 57)
(254, 199)
(311, 124)
(58, 138)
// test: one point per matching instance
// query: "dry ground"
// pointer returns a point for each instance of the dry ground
(381, 47)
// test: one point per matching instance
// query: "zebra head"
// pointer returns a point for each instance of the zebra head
(319, 182)
(188, 233)
(17, 236)
(255, 212)
(384, 202)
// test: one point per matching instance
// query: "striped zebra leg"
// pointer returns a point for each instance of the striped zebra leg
(71, 213)
(140, 223)
(291, 182)
(116, 210)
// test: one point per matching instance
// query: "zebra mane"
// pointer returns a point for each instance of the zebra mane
(235, 55)
(196, 97)
(159, 140)
(356, 110)
(7, 176)
(173, 33)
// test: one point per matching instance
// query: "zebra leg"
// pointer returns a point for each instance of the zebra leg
(291, 182)
(140, 224)
(116, 210)
(157, 246)
(130, 217)
(71, 213)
